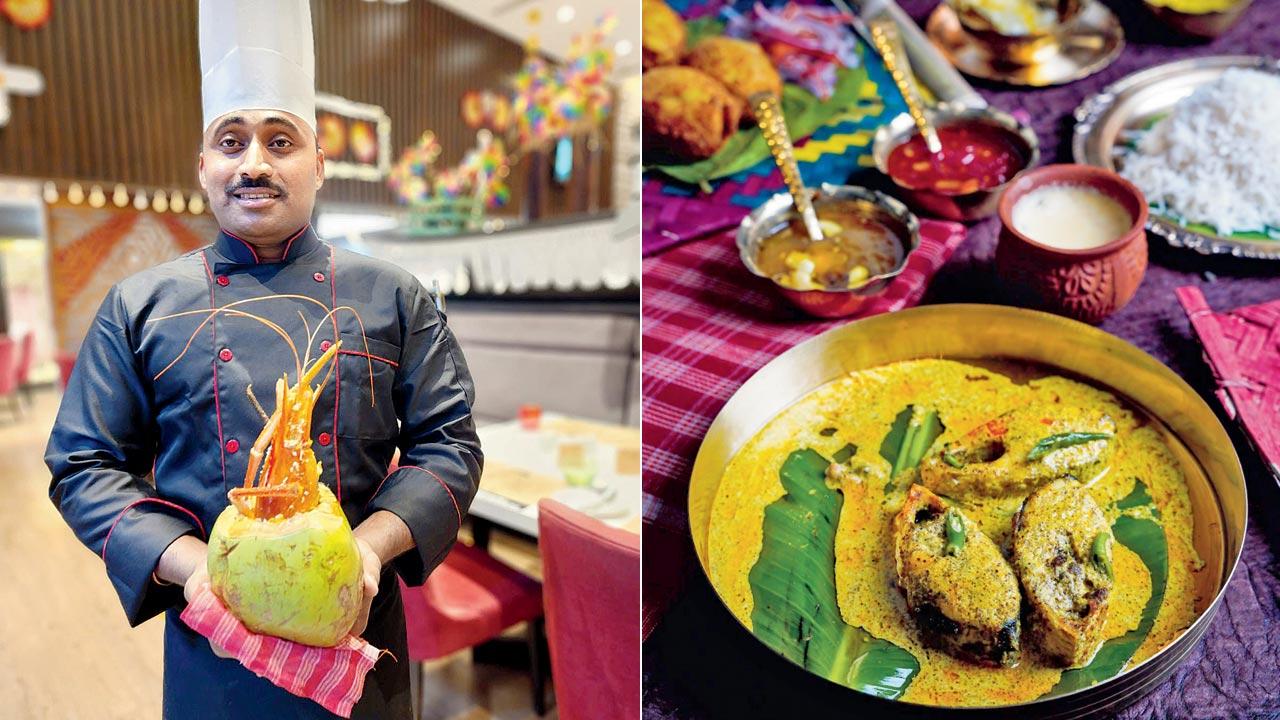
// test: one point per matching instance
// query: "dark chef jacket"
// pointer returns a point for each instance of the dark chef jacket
(193, 428)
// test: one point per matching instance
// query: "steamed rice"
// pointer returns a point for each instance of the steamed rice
(1215, 159)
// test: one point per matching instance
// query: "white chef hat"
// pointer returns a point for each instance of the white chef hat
(257, 55)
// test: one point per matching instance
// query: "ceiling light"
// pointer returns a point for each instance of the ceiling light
(565, 13)
(623, 48)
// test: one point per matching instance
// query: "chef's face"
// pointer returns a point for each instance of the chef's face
(261, 170)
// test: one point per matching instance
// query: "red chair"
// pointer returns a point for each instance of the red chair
(591, 574)
(9, 372)
(469, 599)
(26, 356)
(66, 363)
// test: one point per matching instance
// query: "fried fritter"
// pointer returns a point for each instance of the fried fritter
(664, 33)
(741, 65)
(688, 114)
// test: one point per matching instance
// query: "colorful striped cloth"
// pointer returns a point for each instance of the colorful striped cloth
(708, 325)
(333, 677)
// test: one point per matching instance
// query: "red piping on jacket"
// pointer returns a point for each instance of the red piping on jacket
(256, 259)
(245, 243)
(217, 402)
(456, 509)
(139, 501)
(357, 353)
(337, 380)
(289, 244)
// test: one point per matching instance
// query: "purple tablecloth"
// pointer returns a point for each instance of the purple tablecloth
(698, 664)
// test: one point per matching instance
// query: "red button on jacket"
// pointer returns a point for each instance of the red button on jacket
(324, 439)
(233, 445)
(225, 355)
(223, 280)
(319, 277)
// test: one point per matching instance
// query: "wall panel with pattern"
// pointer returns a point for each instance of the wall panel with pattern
(91, 250)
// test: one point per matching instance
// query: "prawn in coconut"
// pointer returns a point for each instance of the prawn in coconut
(282, 556)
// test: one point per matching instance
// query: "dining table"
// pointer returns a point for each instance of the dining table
(708, 325)
(522, 466)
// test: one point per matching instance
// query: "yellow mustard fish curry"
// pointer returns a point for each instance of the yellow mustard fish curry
(991, 561)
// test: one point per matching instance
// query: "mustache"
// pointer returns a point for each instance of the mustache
(256, 184)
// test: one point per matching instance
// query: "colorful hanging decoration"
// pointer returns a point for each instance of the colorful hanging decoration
(481, 176)
(550, 102)
(27, 14)
(547, 102)
(486, 109)
(410, 179)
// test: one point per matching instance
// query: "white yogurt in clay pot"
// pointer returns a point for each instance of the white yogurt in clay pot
(1070, 217)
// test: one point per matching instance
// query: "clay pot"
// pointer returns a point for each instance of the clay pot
(1087, 284)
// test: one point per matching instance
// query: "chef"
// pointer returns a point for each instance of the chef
(142, 459)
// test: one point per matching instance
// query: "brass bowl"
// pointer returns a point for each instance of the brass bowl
(1215, 481)
(1201, 25)
(777, 211)
(1018, 49)
(968, 206)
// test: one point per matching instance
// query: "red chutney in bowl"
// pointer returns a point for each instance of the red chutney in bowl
(974, 156)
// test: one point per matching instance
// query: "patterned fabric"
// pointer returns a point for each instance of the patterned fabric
(1243, 349)
(333, 677)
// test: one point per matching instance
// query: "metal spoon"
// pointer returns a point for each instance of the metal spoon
(884, 35)
(774, 126)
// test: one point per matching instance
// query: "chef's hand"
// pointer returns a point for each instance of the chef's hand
(200, 578)
(372, 571)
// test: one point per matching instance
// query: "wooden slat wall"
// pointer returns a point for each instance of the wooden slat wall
(122, 102)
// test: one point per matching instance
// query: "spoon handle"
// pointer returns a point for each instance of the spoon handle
(900, 70)
(774, 126)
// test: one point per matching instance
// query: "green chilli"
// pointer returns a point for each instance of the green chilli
(950, 458)
(1102, 554)
(953, 524)
(1063, 440)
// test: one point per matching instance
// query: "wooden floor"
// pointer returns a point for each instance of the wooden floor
(66, 651)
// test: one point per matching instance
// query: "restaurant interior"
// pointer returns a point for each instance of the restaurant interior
(488, 147)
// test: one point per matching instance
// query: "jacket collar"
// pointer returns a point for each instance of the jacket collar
(239, 251)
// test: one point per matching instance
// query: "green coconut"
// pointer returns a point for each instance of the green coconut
(298, 578)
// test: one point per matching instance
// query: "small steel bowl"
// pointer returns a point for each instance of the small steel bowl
(776, 212)
(969, 206)
(1205, 26)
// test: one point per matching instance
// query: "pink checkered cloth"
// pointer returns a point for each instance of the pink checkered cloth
(1243, 350)
(333, 677)
(709, 324)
